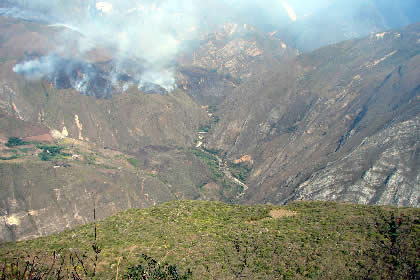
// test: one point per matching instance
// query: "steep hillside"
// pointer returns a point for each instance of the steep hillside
(227, 58)
(129, 149)
(125, 147)
(123, 121)
(313, 112)
(383, 169)
(340, 123)
(340, 20)
(49, 184)
(317, 240)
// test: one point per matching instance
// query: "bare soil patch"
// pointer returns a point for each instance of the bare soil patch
(40, 138)
(211, 186)
(281, 213)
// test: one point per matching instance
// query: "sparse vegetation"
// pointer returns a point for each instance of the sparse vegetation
(4, 59)
(91, 158)
(240, 171)
(25, 150)
(230, 190)
(149, 268)
(9, 157)
(291, 129)
(211, 162)
(211, 151)
(133, 161)
(204, 128)
(15, 141)
(316, 240)
(212, 108)
(216, 119)
(50, 152)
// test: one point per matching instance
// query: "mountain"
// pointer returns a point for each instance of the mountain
(353, 105)
(250, 120)
(330, 22)
(227, 58)
(49, 183)
(318, 240)
(122, 148)
(127, 150)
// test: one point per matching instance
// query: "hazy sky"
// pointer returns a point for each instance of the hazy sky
(152, 31)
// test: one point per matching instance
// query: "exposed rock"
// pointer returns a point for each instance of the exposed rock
(313, 111)
(383, 169)
(227, 58)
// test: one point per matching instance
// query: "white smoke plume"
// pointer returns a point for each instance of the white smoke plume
(151, 33)
(36, 69)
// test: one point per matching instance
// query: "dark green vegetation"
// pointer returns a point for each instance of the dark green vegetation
(152, 269)
(317, 240)
(15, 141)
(204, 128)
(14, 151)
(47, 152)
(211, 161)
(239, 170)
(133, 161)
(229, 190)
(50, 152)
(78, 266)
(9, 157)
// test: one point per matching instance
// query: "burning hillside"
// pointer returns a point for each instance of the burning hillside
(101, 80)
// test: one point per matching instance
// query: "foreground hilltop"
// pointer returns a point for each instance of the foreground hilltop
(319, 240)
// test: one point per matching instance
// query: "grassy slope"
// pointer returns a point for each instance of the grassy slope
(324, 240)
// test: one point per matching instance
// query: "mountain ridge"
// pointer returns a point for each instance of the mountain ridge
(268, 117)
(317, 85)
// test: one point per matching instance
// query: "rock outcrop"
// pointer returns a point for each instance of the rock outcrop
(318, 109)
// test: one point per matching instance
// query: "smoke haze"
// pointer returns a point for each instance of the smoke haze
(152, 33)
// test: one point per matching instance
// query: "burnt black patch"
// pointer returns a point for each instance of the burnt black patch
(98, 80)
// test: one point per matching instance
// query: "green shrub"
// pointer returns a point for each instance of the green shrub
(211, 162)
(15, 141)
(9, 158)
(133, 161)
(204, 128)
(240, 171)
(211, 151)
(50, 152)
(203, 155)
(292, 129)
(212, 108)
(25, 150)
(91, 159)
(150, 269)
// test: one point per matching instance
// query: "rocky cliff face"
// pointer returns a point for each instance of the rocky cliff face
(383, 169)
(318, 109)
(340, 123)
(227, 58)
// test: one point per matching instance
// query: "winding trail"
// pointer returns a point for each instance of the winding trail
(226, 171)
(222, 165)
